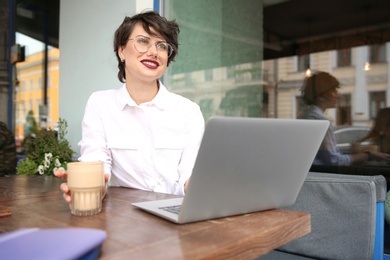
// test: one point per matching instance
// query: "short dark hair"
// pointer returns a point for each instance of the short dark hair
(150, 19)
(316, 85)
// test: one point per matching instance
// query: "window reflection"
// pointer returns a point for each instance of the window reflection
(377, 53)
(219, 63)
(377, 102)
(221, 69)
(28, 94)
(344, 58)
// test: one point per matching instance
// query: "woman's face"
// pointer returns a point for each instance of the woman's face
(331, 96)
(143, 66)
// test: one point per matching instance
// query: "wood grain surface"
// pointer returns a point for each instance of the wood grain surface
(36, 201)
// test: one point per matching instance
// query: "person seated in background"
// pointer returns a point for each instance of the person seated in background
(379, 134)
(320, 92)
(7, 151)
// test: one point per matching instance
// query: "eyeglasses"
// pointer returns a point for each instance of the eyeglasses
(142, 44)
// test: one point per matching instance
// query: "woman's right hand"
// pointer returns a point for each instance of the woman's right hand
(64, 186)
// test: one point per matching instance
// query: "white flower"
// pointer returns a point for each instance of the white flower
(47, 163)
(41, 169)
(57, 163)
(48, 156)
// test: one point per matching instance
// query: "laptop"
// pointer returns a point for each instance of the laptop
(244, 165)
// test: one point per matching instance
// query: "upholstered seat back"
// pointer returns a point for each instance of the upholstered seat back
(346, 216)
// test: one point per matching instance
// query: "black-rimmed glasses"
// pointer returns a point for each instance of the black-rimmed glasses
(142, 44)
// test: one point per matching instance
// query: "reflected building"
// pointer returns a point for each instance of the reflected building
(220, 54)
(228, 91)
(364, 91)
(29, 90)
(220, 66)
(271, 88)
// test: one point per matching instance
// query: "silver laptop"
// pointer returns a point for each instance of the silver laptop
(245, 165)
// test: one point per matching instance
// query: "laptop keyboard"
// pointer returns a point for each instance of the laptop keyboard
(173, 209)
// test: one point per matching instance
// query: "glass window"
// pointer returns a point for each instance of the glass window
(377, 101)
(18, 112)
(224, 46)
(227, 75)
(303, 62)
(24, 110)
(31, 105)
(31, 84)
(344, 58)
(39, 82)
(30, 73)
(208, 75)
(377, 53)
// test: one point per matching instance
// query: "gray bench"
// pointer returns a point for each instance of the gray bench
(347, 218)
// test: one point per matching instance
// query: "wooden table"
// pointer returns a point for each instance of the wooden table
(36, 201)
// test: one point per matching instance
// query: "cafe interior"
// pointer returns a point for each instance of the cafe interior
(347, 204)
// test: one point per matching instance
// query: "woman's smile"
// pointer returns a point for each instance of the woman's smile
(151, 64)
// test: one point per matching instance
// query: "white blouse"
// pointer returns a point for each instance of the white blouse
(152, 146)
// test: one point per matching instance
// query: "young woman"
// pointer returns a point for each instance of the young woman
(319, 92)
(147, 137)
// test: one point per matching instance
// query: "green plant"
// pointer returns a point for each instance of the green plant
(47, 151)
(26, 167)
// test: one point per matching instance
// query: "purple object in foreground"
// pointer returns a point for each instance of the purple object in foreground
(61, 243)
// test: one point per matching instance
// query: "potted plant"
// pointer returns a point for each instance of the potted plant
(46, 152)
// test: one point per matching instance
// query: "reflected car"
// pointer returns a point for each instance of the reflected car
(346, 136)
